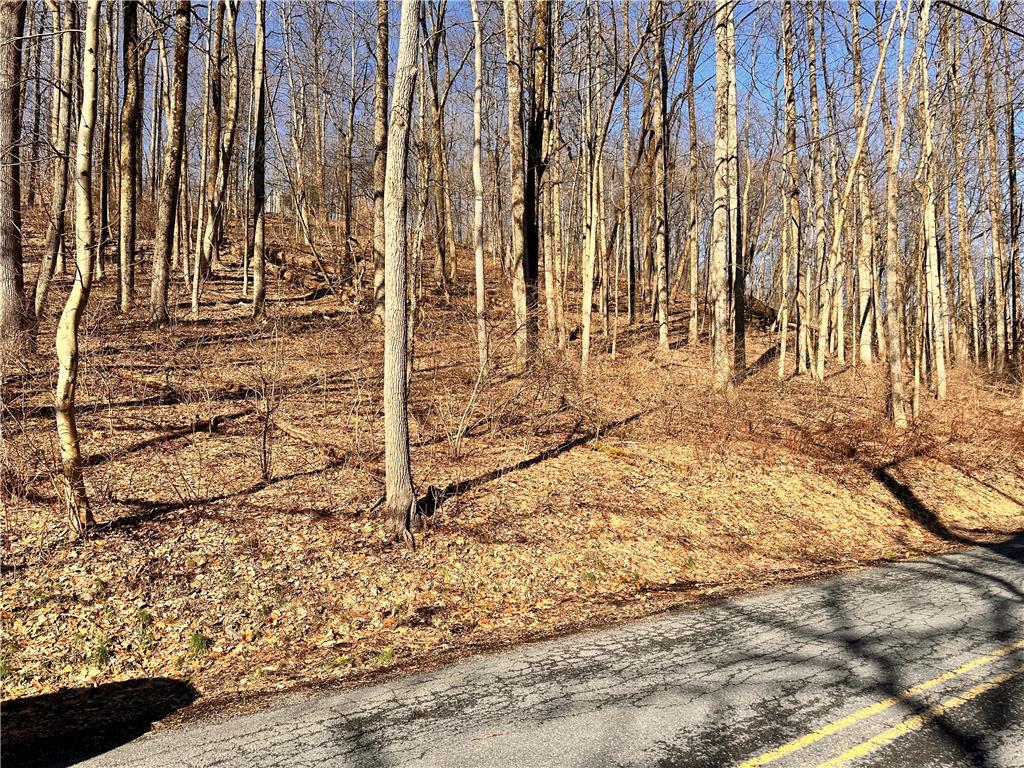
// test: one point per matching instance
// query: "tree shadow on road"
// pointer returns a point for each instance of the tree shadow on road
(876, 661)
(744, 676)
(73, 724)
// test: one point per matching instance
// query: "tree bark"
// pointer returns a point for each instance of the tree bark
(738, 281)
(131, 115)
(659, 148)
(109, 63)
(863, 256)
(167, 210)
(718, 272)
(400, 501)
(61, 137)
(380, 150)
(517, 167)
(536, 160)
(221, 139)
(627, 174)
(259, 162)
(934, 309)
(840, 203)
(78, 511)
(12, 283)
(894, 143)
(995, 201)
(478, 187)
(693, 232)
(211, 132)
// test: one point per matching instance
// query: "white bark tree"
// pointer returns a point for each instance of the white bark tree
(79, 514)
(478, 187)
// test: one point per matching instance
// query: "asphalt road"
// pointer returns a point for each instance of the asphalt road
(915, 664)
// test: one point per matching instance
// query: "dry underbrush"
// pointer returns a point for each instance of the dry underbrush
(235, 472)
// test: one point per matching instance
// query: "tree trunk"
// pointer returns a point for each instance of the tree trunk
(167, 210)
(737, 261)
(380, 145)
(221, 139)
(60, 132)
(894, 143)
(109, 63)
(863, 255)
(432, 46)
(934, 308)
(131, 113)
(659, 148)
(627, 174)
(693, 233)
(718, 273)
(790, 253)
(259, 162)
(558, 267)
(79, 514)
(590, 154)
(817, 173)
(211, 131)
(517, 167)
(12, 283)
(478, 188)
(400, 502)
(995, 200)
(840, 203)
(36, 75)
(536, 161)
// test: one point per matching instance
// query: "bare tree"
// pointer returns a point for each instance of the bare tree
(12, 288)
(841, 200)
(735, 251)
(894, 143)
(936, 321)
(79, 514)
(400, 502)
(131, 117)
(517, 166)
(60, 135)
(816, 171)
(659, 148)
(380, 152)
(478, 187)
(536, 160)
(995, 202)
(693, 231)
(167, 211)
(108, 100)
(791, 196)
(865, 301)
(223, 120)
(720, 229)
(629, 256)
(259, 161)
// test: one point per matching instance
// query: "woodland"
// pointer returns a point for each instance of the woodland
(346, 338)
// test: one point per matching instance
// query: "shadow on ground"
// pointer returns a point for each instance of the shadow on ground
(872, 659)
(743, 677)
(73, 724)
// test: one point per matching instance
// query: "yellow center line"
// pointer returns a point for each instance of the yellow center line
(879, 706)
(918, 721)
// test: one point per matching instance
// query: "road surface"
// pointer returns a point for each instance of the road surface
(915, 664)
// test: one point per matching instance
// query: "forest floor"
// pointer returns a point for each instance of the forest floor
(235, 472)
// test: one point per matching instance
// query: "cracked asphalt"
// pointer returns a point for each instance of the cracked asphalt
(914, 664)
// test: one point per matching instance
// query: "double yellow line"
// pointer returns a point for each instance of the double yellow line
(911, 724)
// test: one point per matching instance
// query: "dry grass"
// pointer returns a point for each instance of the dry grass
(234, 470)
